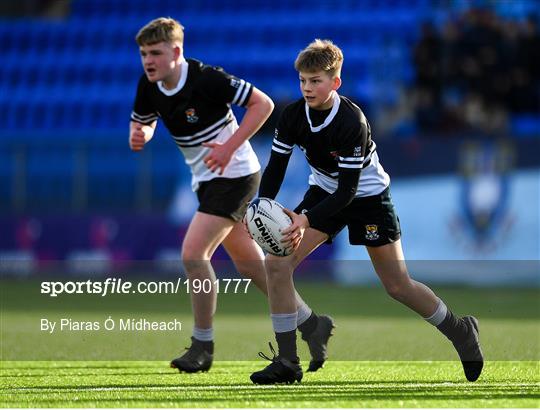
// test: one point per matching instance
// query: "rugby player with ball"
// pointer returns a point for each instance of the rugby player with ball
(347, 187)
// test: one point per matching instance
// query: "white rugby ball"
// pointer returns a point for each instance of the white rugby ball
(265, 220)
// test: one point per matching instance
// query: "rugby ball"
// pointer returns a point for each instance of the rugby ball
(265, 220)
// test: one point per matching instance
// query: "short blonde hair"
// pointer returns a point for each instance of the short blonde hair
(161, 29)
(320, 55)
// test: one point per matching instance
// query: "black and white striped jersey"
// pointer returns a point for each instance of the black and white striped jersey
(198, 110)
(333, 141)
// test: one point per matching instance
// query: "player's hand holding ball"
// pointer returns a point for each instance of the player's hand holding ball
(267, 220)
(292, 236)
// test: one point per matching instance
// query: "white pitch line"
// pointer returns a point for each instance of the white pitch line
(255, 387)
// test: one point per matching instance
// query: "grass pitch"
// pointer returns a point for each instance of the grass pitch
(339, 384)
(382, 355)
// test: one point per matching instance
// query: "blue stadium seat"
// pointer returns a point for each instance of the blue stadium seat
(87, 59)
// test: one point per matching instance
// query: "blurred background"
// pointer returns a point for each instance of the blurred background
(451, 88)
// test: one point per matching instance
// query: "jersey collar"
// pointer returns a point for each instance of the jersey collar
(330, 116)
(181, 82)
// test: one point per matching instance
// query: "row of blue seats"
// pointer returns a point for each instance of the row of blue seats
(238, 18)
(43, 99)
(58, 73)
(48, 43)
(88, 65)
(354, 49)
(46, 98)
(74, 35)
(122, 7)
(57, 79)
(73, 115)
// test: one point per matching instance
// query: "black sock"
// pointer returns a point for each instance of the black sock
(309, 326)
(287, 345)
(454, 328)
(206, 345)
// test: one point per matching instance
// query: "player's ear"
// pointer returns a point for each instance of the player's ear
(177, 50)
(337, 83)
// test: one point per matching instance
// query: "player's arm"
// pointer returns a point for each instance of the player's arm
(273, 175)
(140, 134)
(143, 117)
(343, 196)
(258, 109)
(282, 147)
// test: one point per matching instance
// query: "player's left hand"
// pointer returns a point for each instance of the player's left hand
(218, 158)
(292, 236)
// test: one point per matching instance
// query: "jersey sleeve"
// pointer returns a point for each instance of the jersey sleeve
(225, 88)
(143, 111)
(284, 139)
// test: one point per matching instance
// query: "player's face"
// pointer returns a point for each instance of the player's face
(317, 89)
(159, 60)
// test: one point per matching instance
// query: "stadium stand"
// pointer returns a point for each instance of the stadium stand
(71, 79)
(87, 63)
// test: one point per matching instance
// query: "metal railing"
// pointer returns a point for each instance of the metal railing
(80, 174)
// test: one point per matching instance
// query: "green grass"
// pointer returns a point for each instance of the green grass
(339, 384)
(382, 355)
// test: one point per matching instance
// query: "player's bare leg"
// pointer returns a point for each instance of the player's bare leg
(249, 261)
(204, 235)
(247, 256)
(279, 271)
(389, 263)
(285, 367)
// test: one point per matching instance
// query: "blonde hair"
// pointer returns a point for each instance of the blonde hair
(320, 55)
(161, 29)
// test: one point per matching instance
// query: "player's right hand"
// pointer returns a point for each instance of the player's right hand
(136, 138)
(292, 236)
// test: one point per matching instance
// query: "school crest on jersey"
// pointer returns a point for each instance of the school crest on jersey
(191, 116)
(372, 232)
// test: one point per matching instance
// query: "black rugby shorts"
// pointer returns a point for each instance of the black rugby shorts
(371, 220)
(228, 197)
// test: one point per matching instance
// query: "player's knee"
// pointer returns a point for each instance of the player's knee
(194, 260)
(249, 269)
(278, 266)
(191, 254)
(397, 291)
